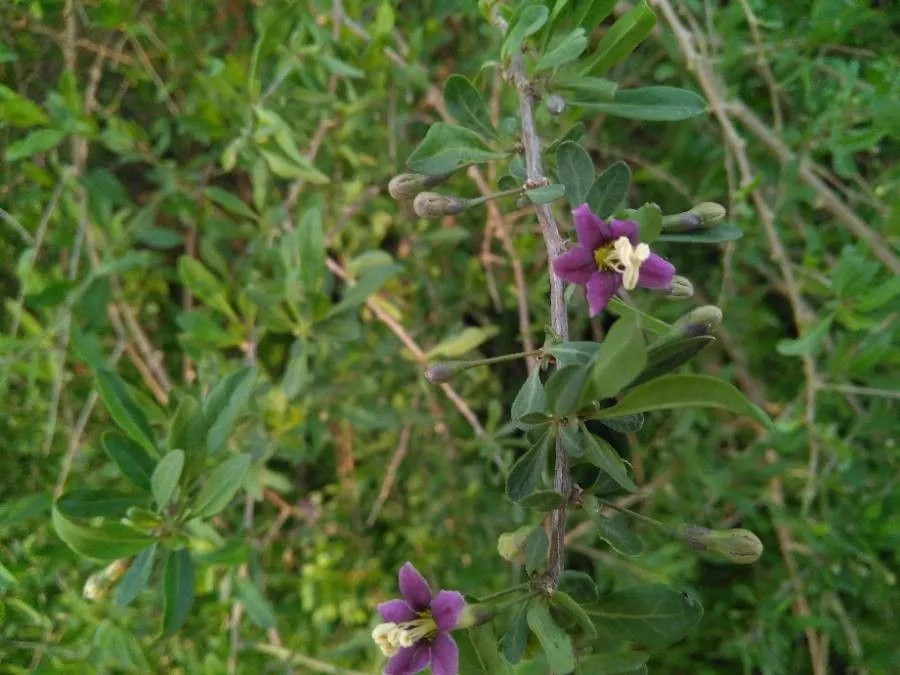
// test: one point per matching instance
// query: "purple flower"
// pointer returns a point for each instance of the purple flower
(416, 632)
(609, 257)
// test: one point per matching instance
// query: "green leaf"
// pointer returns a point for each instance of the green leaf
(718, 233)
(293, 168)
(809, 342)
(566, 603)
(7, 581)
(648, 323)
(230, 202)
(166, 476)
(563, 50)
(258, 608)
(204, 285)
(107, 541)
(18, 111)
(220, 486)
(461, 343)
(297, 372)
(652, 104)
(590, 13)
(515, 638)
(681, 391)
(613, 530)
(478, 652)
(610, 189)
(86, 503)
(311, 247)
(620, 359)
(338, 67)
(36, 142)
(588, 89)
(579, 585)
(654, 616)
(137, 576)
(546, 194)
(529, 21)
(649, 220)
(571, 439)
(573, 353)
(133, 461)
(466, 106)
(670, 355)
(447, 147)
(178, 589)
(531, 398)
(556, 644)
(575, 169)
(602, 455)
(536, 546)
(565, 389)
(24, 509)
(626, 424)
(543, 500)
(621, 39)
(525, 474)
(225, 403)
(625, 663)
(187, 431)
(130, 418)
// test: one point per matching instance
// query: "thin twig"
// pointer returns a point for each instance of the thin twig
(295, 658)
(390, 475)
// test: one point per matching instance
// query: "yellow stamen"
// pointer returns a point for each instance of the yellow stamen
(623, 258)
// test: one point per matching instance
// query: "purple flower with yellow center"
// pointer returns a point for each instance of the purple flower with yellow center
(608, 257)
(416, 632)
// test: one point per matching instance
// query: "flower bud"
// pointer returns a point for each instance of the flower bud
(474, 615)
(408, 185)
(555, 104)
(99, 583)
(700, 321)
(681, 288)
(511, 545)
(739, 546)
(710, 213)
(444, 371)
(701, 216)
(434, 205)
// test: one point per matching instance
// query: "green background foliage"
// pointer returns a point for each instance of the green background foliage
(200, 243)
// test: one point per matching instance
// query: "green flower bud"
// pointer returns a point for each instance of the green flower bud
(710, 213)
(434, 205)
(700, 321)
(511, 545)
(474, 615)
(408, 185)
(681, 288)
(555, 104)
(739, 546)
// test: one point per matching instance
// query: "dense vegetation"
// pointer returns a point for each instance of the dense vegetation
(196, 193)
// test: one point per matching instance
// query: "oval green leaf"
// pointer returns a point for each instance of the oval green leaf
(447, 147)
(556, 644)
(220, 486)
(108, 541)
(123, 409)
(178, 590)
(652, 104)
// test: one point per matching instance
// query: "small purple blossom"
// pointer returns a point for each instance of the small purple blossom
(416, 632)
(608, 257)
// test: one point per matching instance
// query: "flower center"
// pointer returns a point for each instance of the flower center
(391, 637)
(623, 258)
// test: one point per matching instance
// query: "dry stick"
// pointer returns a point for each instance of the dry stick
(390, 475)
(559, 322)
(763, 64)
(374, 304)
(839, 210)
(700, 66)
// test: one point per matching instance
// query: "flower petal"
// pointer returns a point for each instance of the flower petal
(591, 230)
(396, 611)
(409, 660)
(444, 655)
(623, 228)
(414, 588)
(575, 266)
(656, 272)
(446, 608)
(600, 289)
